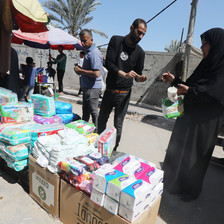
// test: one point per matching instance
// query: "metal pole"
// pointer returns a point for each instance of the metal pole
(189, 40)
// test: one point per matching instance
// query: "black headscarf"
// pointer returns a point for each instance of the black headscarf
(208, 77)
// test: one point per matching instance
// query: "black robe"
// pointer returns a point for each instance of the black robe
(194, 135)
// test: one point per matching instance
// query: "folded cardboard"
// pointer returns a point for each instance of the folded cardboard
(76, 207)
(44, 187)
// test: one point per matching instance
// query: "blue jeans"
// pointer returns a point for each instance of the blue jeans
(90, 105)
(120, 102)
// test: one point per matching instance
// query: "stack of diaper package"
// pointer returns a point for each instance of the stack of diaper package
(7, 96)
(48, 111)
(64, 111)
(127, 187)
(15, 144)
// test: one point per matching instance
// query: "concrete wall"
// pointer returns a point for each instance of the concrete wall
(150, 92)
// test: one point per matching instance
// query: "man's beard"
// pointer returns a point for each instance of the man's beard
(134, 38)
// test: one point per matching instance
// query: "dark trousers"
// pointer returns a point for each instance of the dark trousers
(120, 102)
(60, 76)
(80, 89)
(90, 105)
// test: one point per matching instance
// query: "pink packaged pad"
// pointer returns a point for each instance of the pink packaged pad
(142, 169)
(106, 142)
(128, 165)
(153, 177)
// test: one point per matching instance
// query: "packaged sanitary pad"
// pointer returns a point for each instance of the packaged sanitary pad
(153, 177)
(97, 197)
(136, 193)
(172, 109)
(106, 142)
(101, 179)
(115, 186)
(82, 127)
(128, 165)
(111, 205)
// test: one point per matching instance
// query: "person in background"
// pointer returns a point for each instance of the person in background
(195, 134)
(104, 78)
(91, 73)
(60, 60)
(12, 81)
(81, 59)
(51, 71)
(124, 62)
(29, 74)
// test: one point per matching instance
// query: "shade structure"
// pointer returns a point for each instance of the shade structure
(50, 39)
(29, 16)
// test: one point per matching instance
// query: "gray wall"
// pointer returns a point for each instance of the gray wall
(150, 92)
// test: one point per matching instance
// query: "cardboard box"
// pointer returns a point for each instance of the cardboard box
(44, 187)
(76, 208)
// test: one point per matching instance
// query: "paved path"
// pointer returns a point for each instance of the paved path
(146, 134)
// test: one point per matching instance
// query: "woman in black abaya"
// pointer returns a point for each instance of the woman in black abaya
(194, 135)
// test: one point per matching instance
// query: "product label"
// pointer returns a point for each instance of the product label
(43, 189)
(86, 216)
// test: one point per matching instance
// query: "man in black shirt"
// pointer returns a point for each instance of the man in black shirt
(124, 61)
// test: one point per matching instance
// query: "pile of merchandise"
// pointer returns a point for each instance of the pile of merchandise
(59, 141)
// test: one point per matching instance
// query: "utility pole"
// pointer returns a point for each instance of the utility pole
(189, 40)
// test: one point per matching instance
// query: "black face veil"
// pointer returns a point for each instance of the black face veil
(208, 77)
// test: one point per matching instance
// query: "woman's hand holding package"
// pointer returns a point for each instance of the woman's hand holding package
(182, 89)
(168, 77)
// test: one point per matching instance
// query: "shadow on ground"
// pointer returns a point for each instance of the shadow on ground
(12, 176)
(159, 121)
(207, 209)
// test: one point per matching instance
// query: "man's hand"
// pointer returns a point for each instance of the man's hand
(77, 70)
(128, 75)
(141, 78)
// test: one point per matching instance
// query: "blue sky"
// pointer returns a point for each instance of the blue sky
(114, 17)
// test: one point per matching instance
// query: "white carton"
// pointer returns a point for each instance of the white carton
(115, 186)
(111, 205)
(97, 197)
(128, 165)
(101, 179)
(154, 177)
(156, 192)
(136, 193)
(132, 215)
